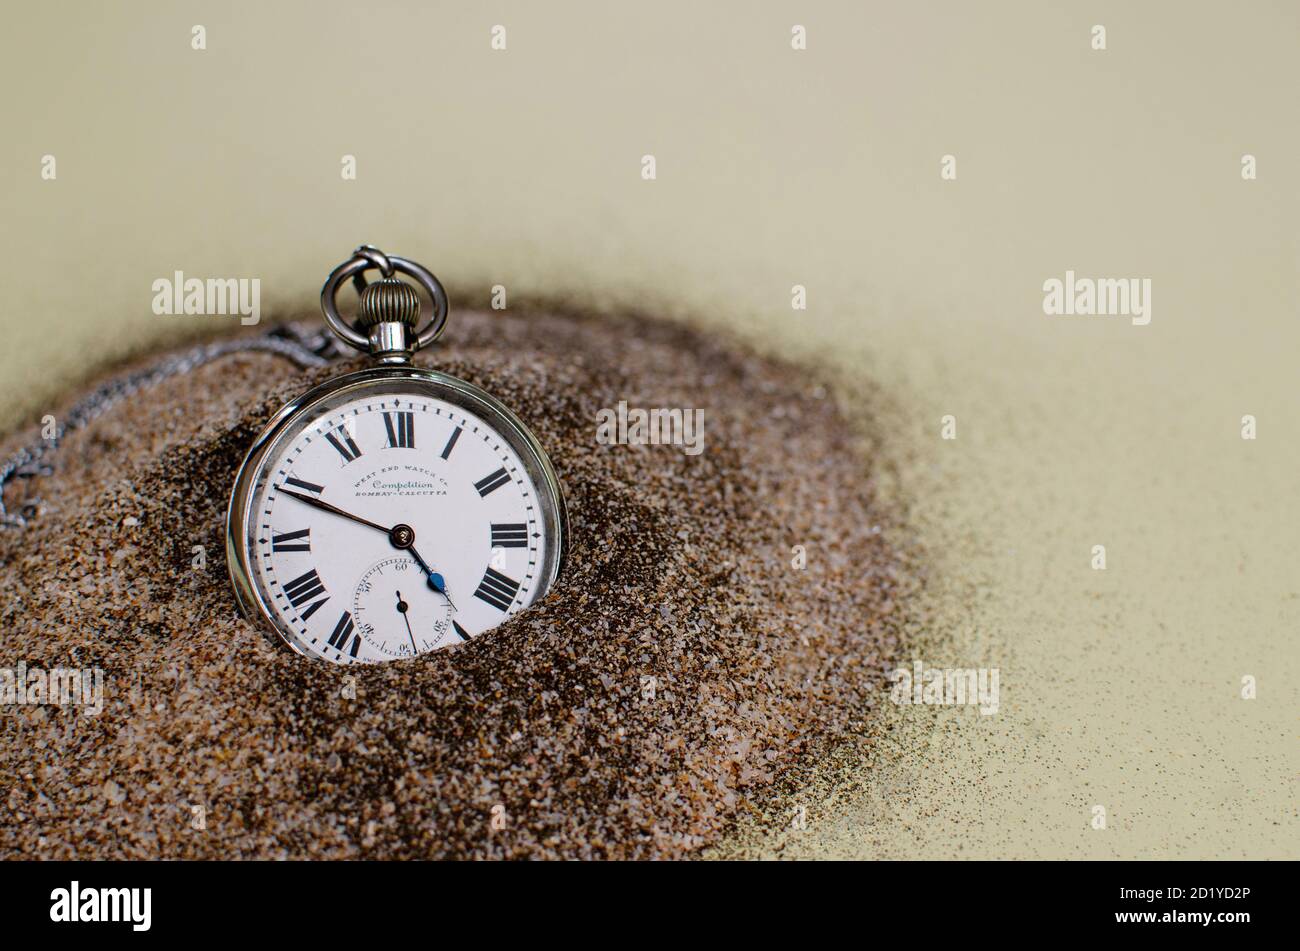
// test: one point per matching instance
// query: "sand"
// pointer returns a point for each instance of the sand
(542, 738)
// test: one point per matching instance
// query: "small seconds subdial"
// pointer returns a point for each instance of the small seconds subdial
(397, 612)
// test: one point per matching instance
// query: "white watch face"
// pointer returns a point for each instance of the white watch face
(386, 521)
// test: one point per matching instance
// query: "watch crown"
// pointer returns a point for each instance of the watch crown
(389, 300)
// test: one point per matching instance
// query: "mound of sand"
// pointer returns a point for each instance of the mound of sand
(544, 737)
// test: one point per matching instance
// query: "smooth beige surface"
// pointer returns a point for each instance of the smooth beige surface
(821, 168)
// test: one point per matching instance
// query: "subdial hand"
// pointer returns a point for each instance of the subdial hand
(402, 607)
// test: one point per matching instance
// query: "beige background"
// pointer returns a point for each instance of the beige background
(819, 167)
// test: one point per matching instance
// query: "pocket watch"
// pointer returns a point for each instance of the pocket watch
(394, 510)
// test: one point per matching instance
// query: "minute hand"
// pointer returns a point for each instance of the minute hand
(322, 504)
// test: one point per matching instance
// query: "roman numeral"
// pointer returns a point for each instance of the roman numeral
(344, 444)
(491, 483)
(289, 541)
(401, 430)
(446, 450)
(509, 535)
(464, 636)
(305, 486)
(497, 590)
(342, 631)
(302, 589)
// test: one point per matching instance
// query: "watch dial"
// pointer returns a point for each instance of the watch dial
(386, 524)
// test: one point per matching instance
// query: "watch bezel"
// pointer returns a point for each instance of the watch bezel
(437, 384)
